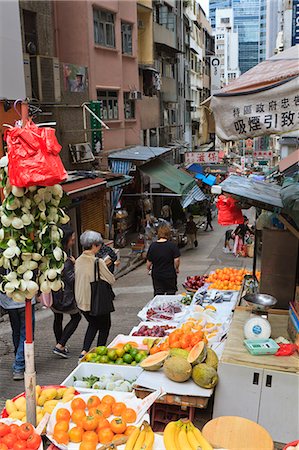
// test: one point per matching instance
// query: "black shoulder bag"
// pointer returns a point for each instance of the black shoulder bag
(102, 295)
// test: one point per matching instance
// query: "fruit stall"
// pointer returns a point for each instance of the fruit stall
(141, 391)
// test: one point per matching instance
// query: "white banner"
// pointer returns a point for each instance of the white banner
(267, 112)
(201, 157)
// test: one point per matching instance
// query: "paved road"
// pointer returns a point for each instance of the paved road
(132, 292)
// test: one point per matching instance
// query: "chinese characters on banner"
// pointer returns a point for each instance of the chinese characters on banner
(201, 157)
(267, 112)
(267, 154)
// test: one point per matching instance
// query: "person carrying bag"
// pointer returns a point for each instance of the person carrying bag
(102, 295)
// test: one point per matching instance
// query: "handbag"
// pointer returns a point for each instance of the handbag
(102, 295)
(46, 299)
(195, 243)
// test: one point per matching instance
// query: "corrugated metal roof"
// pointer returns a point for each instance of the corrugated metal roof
(139, 153)
(74, 188)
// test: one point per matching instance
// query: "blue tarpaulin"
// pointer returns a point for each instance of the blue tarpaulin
(207, 179)
(196, 168)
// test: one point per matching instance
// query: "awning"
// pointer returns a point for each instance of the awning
(289, 162)
(196, 168)
(175, 180)
(118, 182)
(139, 153)
(82, 187)
(207, 179)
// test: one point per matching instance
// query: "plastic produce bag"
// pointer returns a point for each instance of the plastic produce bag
(228, 211)
(33, 156)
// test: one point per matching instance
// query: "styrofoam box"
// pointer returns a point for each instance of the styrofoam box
(151, 325)
(122, 338)
(158, 299)
(129, 373)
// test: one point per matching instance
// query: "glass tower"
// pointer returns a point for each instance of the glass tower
(250, 22)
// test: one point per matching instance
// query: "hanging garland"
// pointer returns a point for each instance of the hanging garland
(30, 238)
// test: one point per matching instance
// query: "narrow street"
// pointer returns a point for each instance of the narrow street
(132, 291)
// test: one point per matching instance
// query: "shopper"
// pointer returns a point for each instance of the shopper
(191, 233)
(209, 218)
(64, 301)
(229, 236)
(91, 242)
(240, 233)
(166, 213)
(16, 314)
(163, 262)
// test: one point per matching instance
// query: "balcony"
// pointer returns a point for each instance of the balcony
(169, 89)
(163, 36)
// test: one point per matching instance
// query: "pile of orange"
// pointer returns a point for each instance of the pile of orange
(228, 278)
(88, 425)
(179, 338)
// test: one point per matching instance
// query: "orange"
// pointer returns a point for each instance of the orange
(102, 423)
(129, 416)
(78, 403)
(105, 409)
(63, 425)
(88, 445)
(118, 408)
(90, 436)
(90, 423)
(118, 425)
(75, 434)
(105, 435)
(61, 437)
(63, 414)
(130, 430)
(77, 416)
(108, 399)
(93, 401)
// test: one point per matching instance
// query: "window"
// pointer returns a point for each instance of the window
(104, 33)
(129, 106)
(126, 38)
(224, 20)
(109, 101)
(164, 15)
(30, 31)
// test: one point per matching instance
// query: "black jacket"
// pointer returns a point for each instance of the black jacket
(64, 300)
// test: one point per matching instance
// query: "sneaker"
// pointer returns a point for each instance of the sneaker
(17, 376)
(225, 250)
(61, 353)
(66, 349)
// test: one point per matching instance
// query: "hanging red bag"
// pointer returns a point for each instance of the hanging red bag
(33, 156)
(229, 212)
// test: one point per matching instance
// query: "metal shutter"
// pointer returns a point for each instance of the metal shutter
(93, 212)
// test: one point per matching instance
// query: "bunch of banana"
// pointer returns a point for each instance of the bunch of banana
(183, 435)
(46, 400)
(141, 439)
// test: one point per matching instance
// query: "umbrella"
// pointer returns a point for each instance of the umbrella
(262, 101)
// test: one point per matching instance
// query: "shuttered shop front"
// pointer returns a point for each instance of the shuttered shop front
(93, 212)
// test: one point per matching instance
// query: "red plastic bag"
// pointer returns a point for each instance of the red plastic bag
(286, 350)
(228, 211)
(33, 156)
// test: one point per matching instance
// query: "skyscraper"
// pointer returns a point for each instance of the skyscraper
(250, 22)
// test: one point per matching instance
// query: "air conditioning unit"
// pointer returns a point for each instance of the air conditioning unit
(45, 77)
(27, 75)
(141, 25)
(81, 153)
(135, 95)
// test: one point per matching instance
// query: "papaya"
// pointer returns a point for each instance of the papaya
(154, 362)
(197, 354)
(211, 359)
(177, 368)
(204, 376)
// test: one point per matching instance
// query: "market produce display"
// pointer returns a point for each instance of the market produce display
(142, 438)
(183, 435)
(17, 436)
(195, 282)
(124, 354)
(163, 312)
(228, 278)
(179, 338)
(46, 400)
(153, 331)
(113, 382)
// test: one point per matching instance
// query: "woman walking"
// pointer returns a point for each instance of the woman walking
(92, 242)
(64, 300)
(163, 260)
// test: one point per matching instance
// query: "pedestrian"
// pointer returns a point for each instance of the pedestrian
(240, 233)
(91, 242)
(209, 218)
(16, 314)
(163, 262)
(229, 236)
(191, 233)
(109, 256)
(64, 301)
(166, 213)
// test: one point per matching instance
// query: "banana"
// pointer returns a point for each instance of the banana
(202, 442)
(169, 436)
(140, 440)
(183, 441)
(149, 438)
(132, 439)
(192, 439)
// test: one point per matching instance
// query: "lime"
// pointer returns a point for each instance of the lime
(133, 363)
(133, 352)
(127, 358)
(120, 352)
(127, 348)
(102, 350)
(112, 355)
(104, 359)
(90, 357)
(119, 361)
(143, 353)
(138, 358)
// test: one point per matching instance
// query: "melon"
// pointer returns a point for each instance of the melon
(177, 368)
(205, 376)
(197, 354)
(179, 352)
(154, 362)
(211, 359)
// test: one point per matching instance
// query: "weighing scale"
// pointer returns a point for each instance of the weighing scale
(258, 326)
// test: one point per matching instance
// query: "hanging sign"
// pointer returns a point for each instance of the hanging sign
(201, 157)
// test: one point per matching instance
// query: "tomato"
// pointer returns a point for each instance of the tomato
(61, 437)
(117, 437)
(75, 434)
(93, 401)
(90, 423)
(14, 428)
(9, 440)
(129, 415)
(90, 436)
(63, 425)
(63, 414)
(118, 408)
(88, 445)
(118, 425)
(78, 403)
(130, 430)
(77, 416)
(102, 423)
(108, 399)
(106, 435)
(19, 445)
(33, 441)
(3, 447)
(4, 429)
(25, 430)
(104, 410)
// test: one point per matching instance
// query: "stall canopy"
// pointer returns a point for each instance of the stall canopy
(262, 101)
(138, 153)
(195, 168)
(175, 180)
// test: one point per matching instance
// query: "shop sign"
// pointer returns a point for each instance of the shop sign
(267, 154)
(201, 157)
(295, 23)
